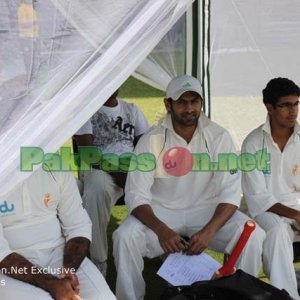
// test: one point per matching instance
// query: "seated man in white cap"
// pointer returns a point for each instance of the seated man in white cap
(174, 199)
(44, 239)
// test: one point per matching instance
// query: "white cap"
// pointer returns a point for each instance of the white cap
(182, 84)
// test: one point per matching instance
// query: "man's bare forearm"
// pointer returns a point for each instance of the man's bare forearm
(75, 251)
(170, 241)
(222, 214)
(145, 214)
(285, 211)
(201, 239)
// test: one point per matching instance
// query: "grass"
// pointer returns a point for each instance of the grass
(133, 88)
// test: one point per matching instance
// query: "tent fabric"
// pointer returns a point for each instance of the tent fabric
(252, 42)
(61, 59)
(201, 52)
(167, 59)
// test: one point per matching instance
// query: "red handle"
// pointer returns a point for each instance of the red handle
(228, 267)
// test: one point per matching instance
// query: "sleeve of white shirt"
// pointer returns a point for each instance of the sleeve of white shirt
(257, 196)
(74, 219)
(141, 124)
(139, 183)
(87, 128)
(4, 247)
(227, 183)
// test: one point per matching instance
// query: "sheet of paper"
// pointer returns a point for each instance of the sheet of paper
(180, 269)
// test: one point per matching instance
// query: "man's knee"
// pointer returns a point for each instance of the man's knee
(258, 236)
(279, 232)
(129, 234)
(121, 235)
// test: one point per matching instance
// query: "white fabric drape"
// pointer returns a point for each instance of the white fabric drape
(60, 60)
(167, 59)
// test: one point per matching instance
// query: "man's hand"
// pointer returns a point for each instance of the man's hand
(171, 241)
(62, 289)
(72, 277)
(199, 241)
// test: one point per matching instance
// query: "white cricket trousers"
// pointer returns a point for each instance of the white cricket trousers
(100, 194)
(92, 284)
(278, 254)
(133, 241)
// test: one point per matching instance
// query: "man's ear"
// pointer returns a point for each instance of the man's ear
(167, 104)
(269, 108)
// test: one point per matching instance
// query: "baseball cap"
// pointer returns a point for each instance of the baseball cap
(182, 84)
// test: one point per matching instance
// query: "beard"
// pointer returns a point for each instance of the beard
(186, 119)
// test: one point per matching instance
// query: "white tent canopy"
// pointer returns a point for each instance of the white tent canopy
(252, 42)
(60, 59)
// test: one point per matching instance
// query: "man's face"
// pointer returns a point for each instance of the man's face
(285, 112)
(186, 110)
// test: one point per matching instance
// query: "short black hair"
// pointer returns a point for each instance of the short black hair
(279, 87)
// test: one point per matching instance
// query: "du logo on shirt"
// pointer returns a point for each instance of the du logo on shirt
(6, 208)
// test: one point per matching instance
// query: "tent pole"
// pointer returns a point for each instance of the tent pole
(201, 49)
